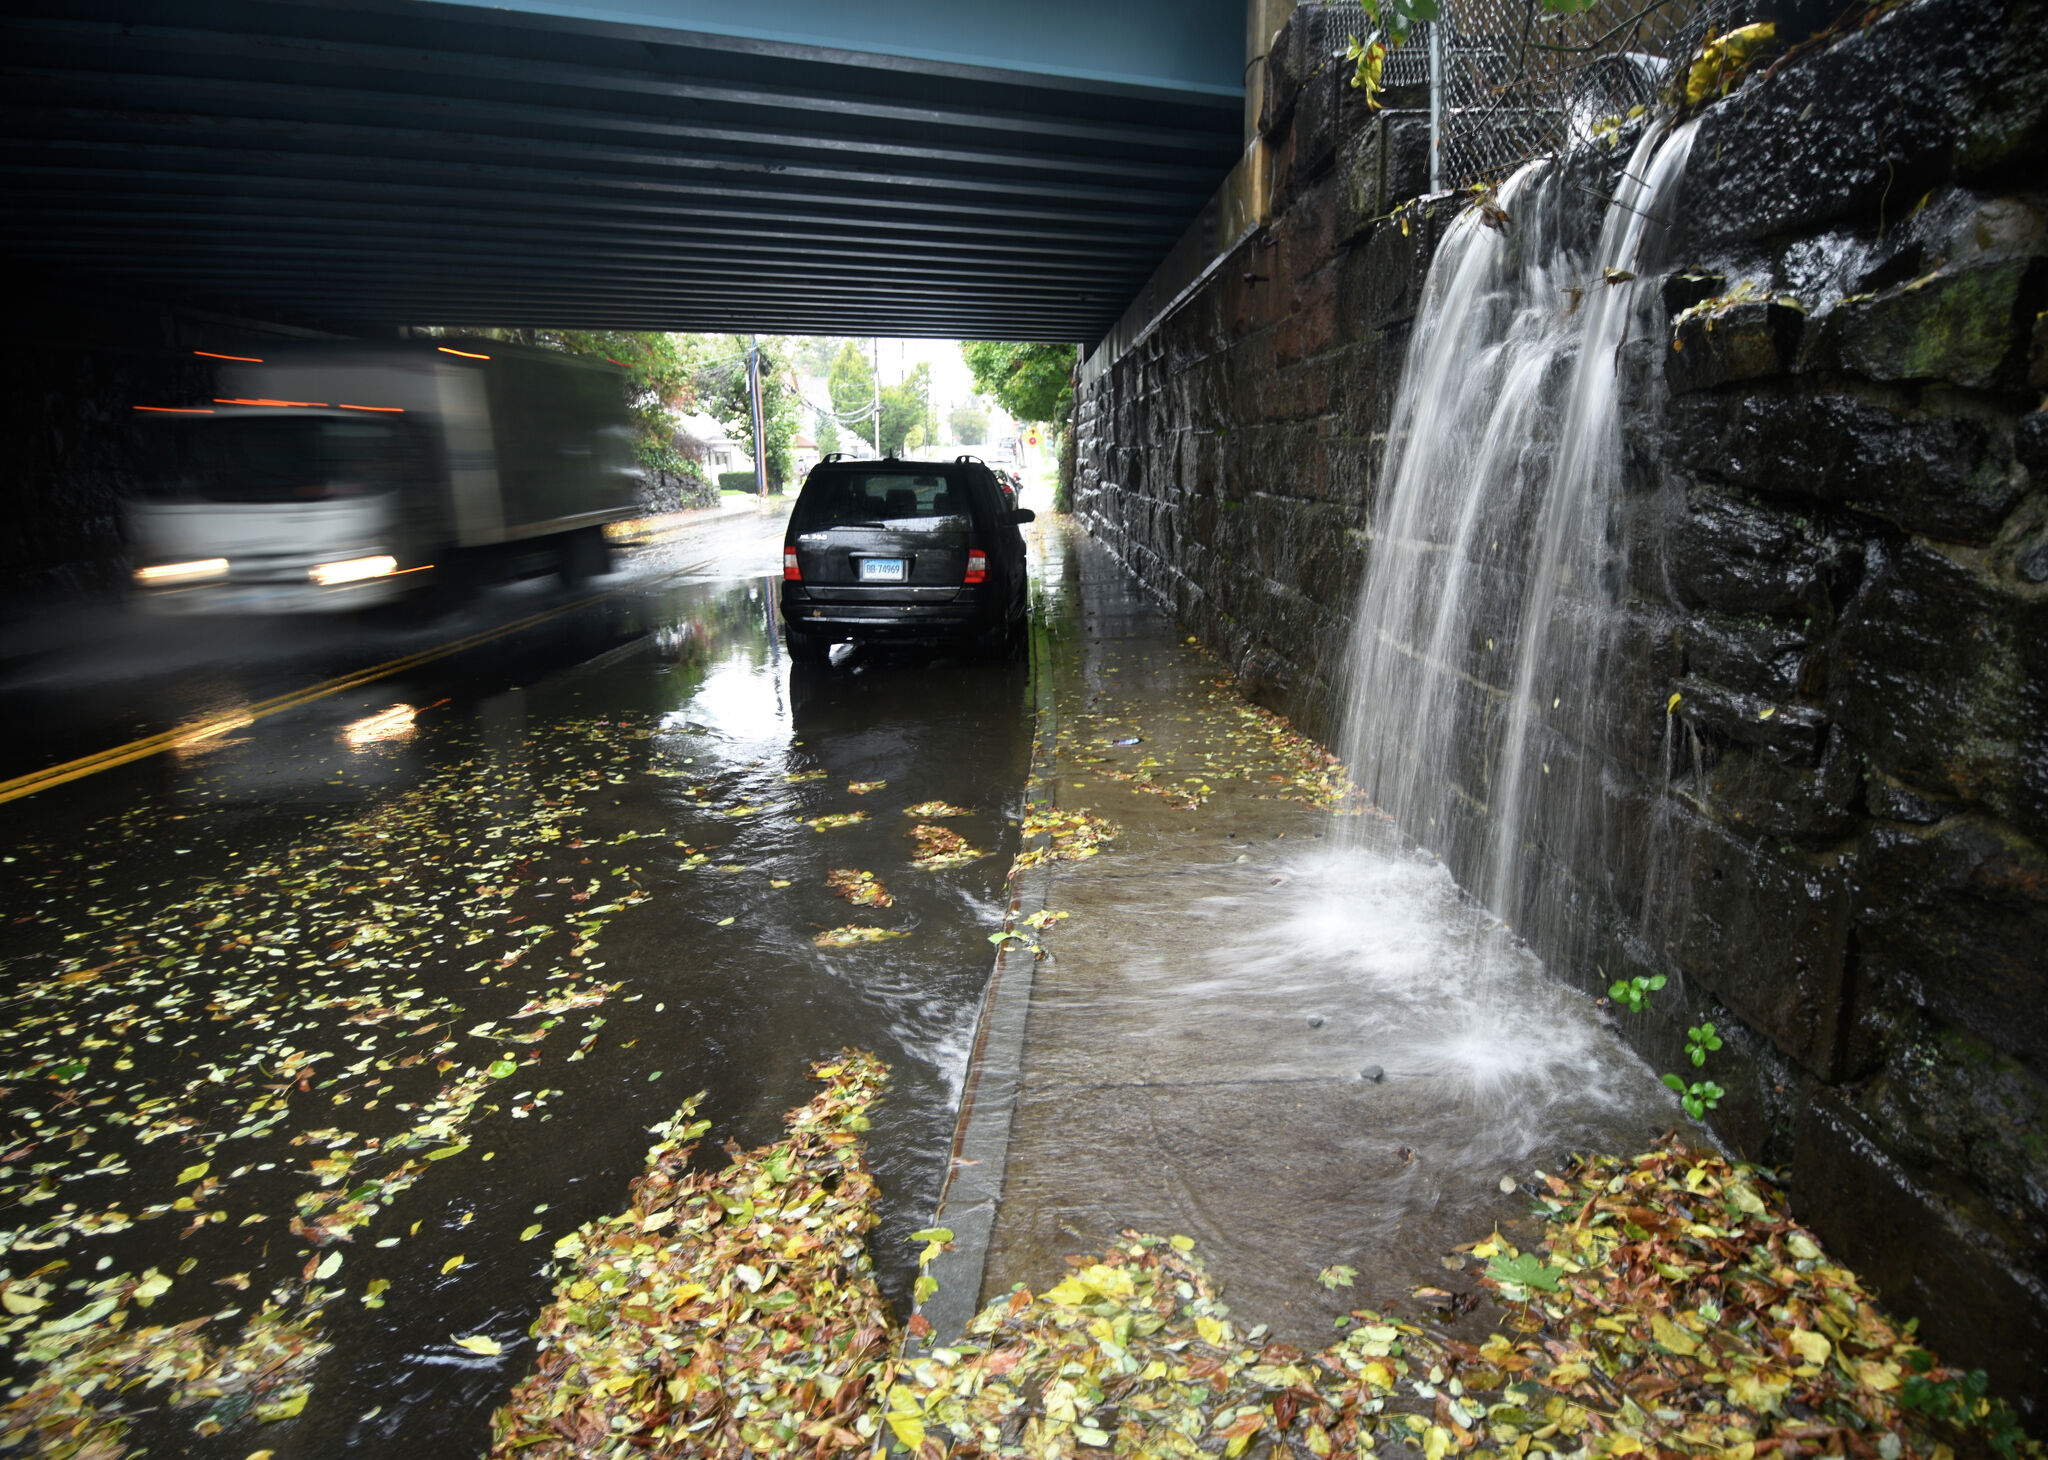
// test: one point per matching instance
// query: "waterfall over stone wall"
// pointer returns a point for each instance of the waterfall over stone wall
(1472, 711)
(1820, 521)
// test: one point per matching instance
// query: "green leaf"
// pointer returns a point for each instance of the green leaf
(1526, 1270)
(1676, 1082)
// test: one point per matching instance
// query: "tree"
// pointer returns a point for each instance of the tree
(904, 407)
(1031, 382)
(826, 431)
(969, 421)
(814, 354)
(719, 369)
(851, 382)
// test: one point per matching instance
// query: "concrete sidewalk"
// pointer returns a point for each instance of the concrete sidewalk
(1168, 1063)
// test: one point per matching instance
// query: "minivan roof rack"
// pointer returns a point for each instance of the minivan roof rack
(975, 459)
(831, 456)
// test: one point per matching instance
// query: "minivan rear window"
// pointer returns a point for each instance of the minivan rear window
(845, 498)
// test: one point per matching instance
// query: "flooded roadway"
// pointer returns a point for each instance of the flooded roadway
(339, 1015)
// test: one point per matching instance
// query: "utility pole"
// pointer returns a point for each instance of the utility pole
(875, 364)
(754, 392)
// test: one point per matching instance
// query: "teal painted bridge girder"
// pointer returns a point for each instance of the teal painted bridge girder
(792, 166)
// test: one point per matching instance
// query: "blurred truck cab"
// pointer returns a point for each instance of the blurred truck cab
(336, 476)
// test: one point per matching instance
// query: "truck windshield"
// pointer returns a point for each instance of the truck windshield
(285, 458)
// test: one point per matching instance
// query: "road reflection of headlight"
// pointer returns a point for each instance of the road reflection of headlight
(392, 724)
(352, 570)
(192, 572)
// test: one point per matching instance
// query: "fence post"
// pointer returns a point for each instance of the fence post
(1436, 106)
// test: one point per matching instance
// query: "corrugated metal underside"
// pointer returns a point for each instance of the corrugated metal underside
(384, 163)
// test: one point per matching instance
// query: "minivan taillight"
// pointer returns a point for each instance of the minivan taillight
(790, 570)
(977, 566)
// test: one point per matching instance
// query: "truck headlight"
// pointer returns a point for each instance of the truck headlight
(197, 571)
(352, 570)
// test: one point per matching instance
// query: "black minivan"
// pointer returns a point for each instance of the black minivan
(896, 551)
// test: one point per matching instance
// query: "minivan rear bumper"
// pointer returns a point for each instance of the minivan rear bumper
(962, 618)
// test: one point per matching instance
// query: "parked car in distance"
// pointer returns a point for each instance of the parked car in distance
(891, 551)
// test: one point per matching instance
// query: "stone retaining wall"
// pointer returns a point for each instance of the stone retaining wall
(1837, 513)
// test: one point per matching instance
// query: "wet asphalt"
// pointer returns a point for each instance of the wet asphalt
(410, 968)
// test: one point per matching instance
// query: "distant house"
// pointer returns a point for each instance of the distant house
(707, 443)
(804, 454)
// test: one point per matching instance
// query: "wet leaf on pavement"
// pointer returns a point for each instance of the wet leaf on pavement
(859, 888)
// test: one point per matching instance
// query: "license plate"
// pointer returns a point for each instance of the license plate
(881, 570)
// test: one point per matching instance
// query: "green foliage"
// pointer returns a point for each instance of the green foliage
(1031, 382)
(1525, 1270)
(1635, 992)
(736, 481)
(1698, 1097)
(814, 354)
(826, 432)
(1961, 1399)
(851, 383)
(904, 409)
(1700, 1040)
(969, 421)
(719, 370)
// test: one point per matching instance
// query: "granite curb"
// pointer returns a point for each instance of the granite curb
(973, 1189)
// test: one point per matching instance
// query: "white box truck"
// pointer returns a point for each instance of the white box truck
(342, 475)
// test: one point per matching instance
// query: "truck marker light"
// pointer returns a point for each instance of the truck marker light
(347, 407)
(790, 571)
(352, 570)
(175, 410)
(977, 566)
(221, 400)
(465, 354)
(192, 572)
(246, 359)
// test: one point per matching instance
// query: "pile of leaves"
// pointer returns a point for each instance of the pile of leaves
(1679, 1311)
(939, 846)
(858, 887)
(732, 1313)
(1681, 1308)
(936, 810)
(1071, 835)
(1137, 1353)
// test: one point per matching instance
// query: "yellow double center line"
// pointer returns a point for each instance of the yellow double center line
(199, 731)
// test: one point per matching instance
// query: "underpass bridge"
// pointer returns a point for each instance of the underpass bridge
(788, 166)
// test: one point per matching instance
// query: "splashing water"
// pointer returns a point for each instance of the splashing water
(1487, 607)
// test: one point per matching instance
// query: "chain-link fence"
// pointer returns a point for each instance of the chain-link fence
(1506, 80)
